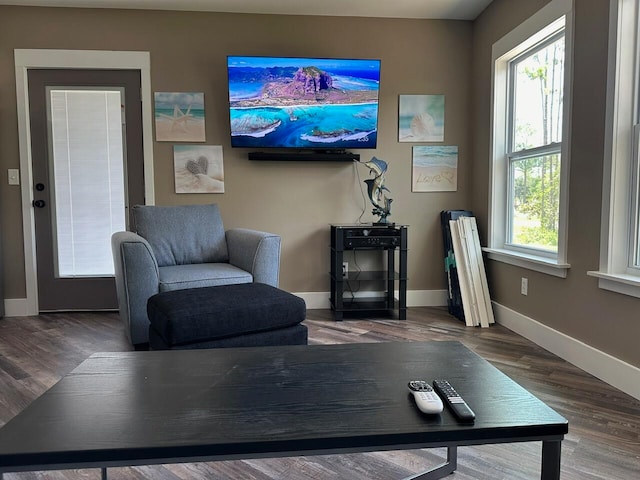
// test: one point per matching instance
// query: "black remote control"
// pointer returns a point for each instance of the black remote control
(455, 402)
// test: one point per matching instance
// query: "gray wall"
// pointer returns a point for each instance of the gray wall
(574, 305)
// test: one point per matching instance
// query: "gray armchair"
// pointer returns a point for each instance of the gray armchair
(181, 247)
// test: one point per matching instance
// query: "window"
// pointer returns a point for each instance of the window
(86, 130)
(529, 155)
(535, 141)
(620, 234)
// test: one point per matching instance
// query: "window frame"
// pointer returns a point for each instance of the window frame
(536, 30)
(634, 238)
(26, 59)
(620, 221)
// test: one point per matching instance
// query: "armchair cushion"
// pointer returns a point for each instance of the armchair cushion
(179, 277)
(184, 234)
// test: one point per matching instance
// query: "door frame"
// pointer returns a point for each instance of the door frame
(26, 59)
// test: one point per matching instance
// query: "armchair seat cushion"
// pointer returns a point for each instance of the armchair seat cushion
(182, 318)
(179, 277)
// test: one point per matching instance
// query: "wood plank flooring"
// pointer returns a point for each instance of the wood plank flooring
(604, 423)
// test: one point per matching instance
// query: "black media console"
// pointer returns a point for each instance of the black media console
(378, 284)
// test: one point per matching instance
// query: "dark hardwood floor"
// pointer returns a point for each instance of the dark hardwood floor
(604, 423)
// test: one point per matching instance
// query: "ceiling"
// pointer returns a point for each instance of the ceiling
(435, 9)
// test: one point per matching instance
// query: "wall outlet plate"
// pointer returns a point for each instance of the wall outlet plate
(345, 269)
(14, 176)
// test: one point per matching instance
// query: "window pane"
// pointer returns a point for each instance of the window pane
(538, 89)
(535, 192)
(87, 142)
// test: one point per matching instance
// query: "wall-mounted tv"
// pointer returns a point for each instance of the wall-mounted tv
(304, 103)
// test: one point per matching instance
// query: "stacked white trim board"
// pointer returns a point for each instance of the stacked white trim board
(476, 302)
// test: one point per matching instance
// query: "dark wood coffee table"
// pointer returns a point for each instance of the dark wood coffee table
(137, 408)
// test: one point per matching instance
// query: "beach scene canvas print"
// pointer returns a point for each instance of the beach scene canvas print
(435, 169)
(421, 118)
(179, 116)
(303, 102)
(198, 168)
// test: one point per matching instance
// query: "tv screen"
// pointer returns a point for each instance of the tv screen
(305, 103)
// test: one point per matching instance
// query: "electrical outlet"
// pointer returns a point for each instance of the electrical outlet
(345, 269)
(524, 286)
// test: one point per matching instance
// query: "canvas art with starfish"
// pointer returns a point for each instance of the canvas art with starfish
(179, 116)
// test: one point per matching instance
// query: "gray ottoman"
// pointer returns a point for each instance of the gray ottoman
(243, 315)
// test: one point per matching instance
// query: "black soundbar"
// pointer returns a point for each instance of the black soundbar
(306, 156)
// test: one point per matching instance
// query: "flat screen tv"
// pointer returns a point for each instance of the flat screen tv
(303, 103)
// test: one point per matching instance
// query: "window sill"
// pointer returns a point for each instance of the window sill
(618, 282)
(530, 262)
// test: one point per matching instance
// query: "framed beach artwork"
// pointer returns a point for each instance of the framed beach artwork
(421, 118)
(179, 116)
(198, 168)
(435, 169)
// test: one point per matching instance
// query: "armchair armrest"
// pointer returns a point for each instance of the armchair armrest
(137, 279)
(255, 252)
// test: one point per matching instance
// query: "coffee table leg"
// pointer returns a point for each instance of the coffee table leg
(103, 471)
(440, 471)
(551, 460)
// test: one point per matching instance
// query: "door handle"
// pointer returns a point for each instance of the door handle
(39, 203)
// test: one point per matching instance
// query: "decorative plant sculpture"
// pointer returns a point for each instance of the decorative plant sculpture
(375, 187)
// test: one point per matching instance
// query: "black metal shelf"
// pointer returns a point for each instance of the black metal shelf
(367, 276)
(374, 304)
(369, 238)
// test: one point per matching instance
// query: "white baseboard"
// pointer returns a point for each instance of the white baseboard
(427, 298)
(16, 307)
(607, 368)
(415, 298)
(315, 300)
